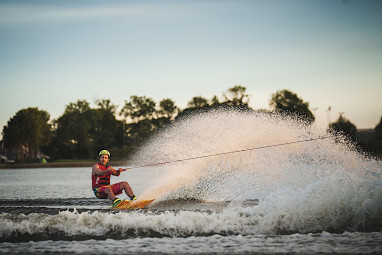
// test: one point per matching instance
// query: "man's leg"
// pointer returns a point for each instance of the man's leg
(110, 194)
(123, 186)
(105, 192)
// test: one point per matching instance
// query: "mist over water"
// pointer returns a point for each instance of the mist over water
(320, 185)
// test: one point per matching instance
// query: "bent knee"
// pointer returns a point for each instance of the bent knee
(124, 184)
(108, 190)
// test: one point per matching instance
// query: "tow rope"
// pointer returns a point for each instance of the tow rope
(238, 151)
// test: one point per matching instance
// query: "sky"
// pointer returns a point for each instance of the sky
(328, 52)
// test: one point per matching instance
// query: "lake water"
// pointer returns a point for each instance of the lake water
(318, 197)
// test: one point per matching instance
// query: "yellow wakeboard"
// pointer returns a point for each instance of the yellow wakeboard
(131, 205)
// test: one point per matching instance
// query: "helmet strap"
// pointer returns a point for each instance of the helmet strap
(106, 165)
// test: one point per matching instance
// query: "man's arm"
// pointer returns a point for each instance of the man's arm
(116, 172)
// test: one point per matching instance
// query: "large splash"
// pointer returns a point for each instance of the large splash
(303, 187)
(314, 185)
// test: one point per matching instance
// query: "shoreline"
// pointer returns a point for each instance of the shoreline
(56, 165)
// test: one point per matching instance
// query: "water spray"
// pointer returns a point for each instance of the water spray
(237, 151)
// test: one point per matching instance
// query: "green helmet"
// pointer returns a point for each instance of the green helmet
(104, 152)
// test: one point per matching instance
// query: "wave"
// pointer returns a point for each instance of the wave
(322, 243)
(51, 206)
(53, 202)
(234, 219)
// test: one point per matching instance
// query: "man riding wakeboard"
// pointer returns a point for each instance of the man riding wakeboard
(101, 173)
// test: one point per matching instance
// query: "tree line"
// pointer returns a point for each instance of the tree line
(81, 131)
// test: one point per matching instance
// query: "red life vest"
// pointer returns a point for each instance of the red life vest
(103, 180)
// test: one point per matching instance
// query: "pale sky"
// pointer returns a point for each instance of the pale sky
(328, 52)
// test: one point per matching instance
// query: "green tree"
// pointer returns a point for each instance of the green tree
(138, 108)
(378, 129)
(287, 102)
(371, 142)
(236, 96)
(195, 105)
(73, 131)
(139, 114)
(106, 105)
(27, 132)
(167, 108)
(106, 130)
(214, 102)
(197, 102)
(343, 126)
(138, 131)
(376, 143)
(82, 131)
